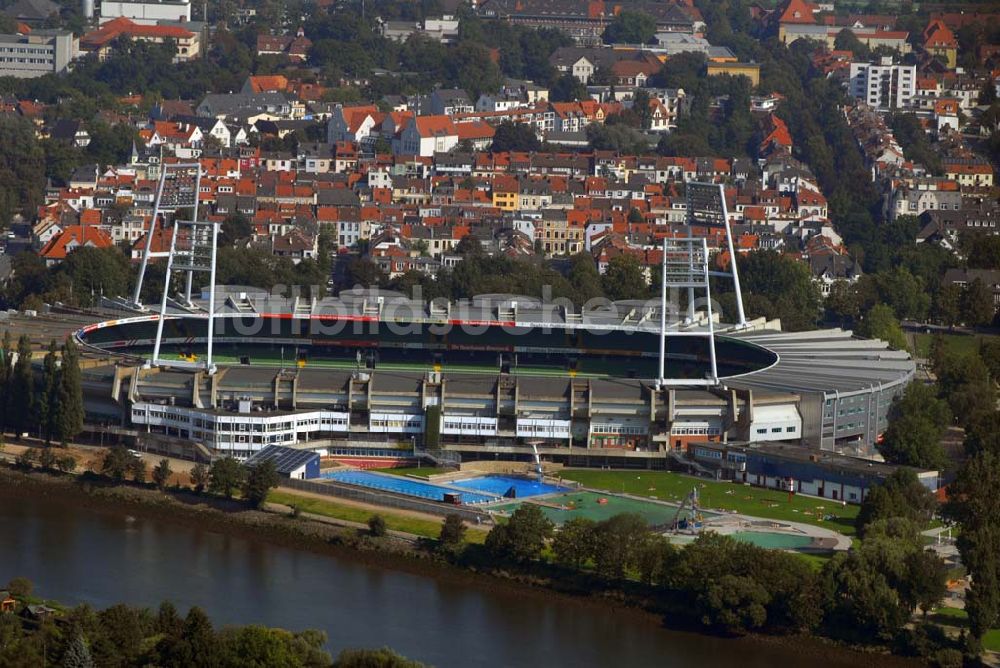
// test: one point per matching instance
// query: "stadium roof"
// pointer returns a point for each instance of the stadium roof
(829, 360)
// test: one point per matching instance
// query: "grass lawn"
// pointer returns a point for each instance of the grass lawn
(959, 343)
(421, 471)
(958, 618)
(817, 561)
(395, 521)
(753, 501)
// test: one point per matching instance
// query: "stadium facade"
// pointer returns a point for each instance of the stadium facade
(373, 375)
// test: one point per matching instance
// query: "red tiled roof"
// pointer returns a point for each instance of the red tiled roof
(798, 11)
(123, 26)
(73, 237)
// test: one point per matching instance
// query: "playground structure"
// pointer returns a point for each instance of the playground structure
(694, 521)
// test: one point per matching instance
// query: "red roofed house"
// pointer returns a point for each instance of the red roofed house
(478, 133)
(426, 135)
(778, 138)
(99, 41)
(796, 12)
(73, 237)
(294, 48)
(265, 84)
(353, 123)
(940, 41)
(946, 112)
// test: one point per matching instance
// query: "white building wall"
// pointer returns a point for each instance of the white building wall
(146, 13)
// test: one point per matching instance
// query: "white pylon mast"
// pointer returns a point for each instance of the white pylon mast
(193, 247)
(178, 188)
(706, 206)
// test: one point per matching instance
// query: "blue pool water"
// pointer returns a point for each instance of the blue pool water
(499, 484)
(391, 483)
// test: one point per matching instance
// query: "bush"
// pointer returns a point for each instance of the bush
(26, 459)
(376, 525)
(452, 531)
(947, 658)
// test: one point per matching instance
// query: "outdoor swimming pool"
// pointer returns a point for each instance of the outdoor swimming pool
(500, 484)
(399, 485)
(772, 540)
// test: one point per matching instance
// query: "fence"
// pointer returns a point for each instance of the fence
(380, 498)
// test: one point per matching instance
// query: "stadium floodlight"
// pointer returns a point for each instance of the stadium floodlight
(193, 246)
(706, 207)
(177, 188)
(685, 266)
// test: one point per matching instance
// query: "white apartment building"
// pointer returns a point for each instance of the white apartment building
(38, 53)
(885, 85)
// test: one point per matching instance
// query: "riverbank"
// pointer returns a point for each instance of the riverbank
(217, 515)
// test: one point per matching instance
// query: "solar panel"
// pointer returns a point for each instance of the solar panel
(286, 460)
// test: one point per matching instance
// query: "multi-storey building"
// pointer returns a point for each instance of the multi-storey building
(885, 85)
(37, 53)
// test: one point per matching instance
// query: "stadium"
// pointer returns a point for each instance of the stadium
(376, 377)
(369, 375)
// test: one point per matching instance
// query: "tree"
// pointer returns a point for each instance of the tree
(977, 304)
(95, 271)
(947, 304)
(470, 67)
(77, 654)
(261, 478)
(616, 544)
(20, 587)
(988, 95)
(575, 542)
(779, 287)
(584, 278)
(161, 474)
(452, 532)
(168, 621)
(900, 495)
(376, 526)
(137, 469)
(881, 323)
(70, 395)
(917, 420)
(653, 557)
(522, 538)
(624, 279)
(974, 503)
(116, 462)
(225, 477)
(236, 226)
(568, 88)
(22, 167)
(21, 388)
(630, 28)
(373, 658)
(199, 477)
(846, 40)
(512, 136)
(617, 137)
(48, 401)
(842, 303)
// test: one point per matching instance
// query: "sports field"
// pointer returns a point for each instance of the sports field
(594, 369)
(752, 501)
(563, 507)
